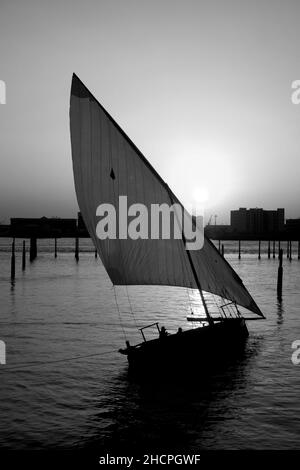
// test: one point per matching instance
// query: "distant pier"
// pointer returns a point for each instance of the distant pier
(56, 228)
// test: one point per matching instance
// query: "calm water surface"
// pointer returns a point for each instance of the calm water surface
(58, 310)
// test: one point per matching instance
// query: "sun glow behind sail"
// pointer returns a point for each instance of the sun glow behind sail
(106, 165)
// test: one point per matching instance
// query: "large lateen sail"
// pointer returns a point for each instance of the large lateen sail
(107, 165)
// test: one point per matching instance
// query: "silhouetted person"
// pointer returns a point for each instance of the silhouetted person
(163, 332)
(128, 349)
(179, 331)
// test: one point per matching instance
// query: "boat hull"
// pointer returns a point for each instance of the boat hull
(203, 345)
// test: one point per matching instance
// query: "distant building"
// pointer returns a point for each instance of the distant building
(217, 231)
(293, 223)
(293, 226)
(239, 220)
(4, 230)
(257, 220)
(80, 222)
(43, 225)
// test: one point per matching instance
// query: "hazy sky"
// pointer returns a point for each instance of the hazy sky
(202, 87)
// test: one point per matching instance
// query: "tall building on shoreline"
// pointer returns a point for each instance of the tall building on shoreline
(257, 220)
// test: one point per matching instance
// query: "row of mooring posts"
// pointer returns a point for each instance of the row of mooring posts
(289, 251)
(280, 256)
(13, 261)
(33, 249)
(279, 276)
(269, 249)
(274, 249)
(77, 250)
(33, 254)
(24, 256)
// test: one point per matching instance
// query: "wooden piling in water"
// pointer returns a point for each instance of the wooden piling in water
(77, 249)
(287, 249)
(55, 248)
(298, 249)
(96, 254)
(274, 246)
(23, 256)
(222, 249)
(259, 250)
(13, 262)
(290, 251)
(279, 277)
(279, 247)
(33, 249)
(239, 249)
(219, 246)
(269, 249)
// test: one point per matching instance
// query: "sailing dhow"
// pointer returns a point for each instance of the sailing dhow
(107, 165)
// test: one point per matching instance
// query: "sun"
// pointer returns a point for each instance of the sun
(200, 195)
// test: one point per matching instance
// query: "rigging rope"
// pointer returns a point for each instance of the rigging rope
(188, 292)
(36, 363)
(120, 318)
(131, 309)
(217, 304)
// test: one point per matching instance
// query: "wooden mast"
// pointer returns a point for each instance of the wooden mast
(208, 316)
